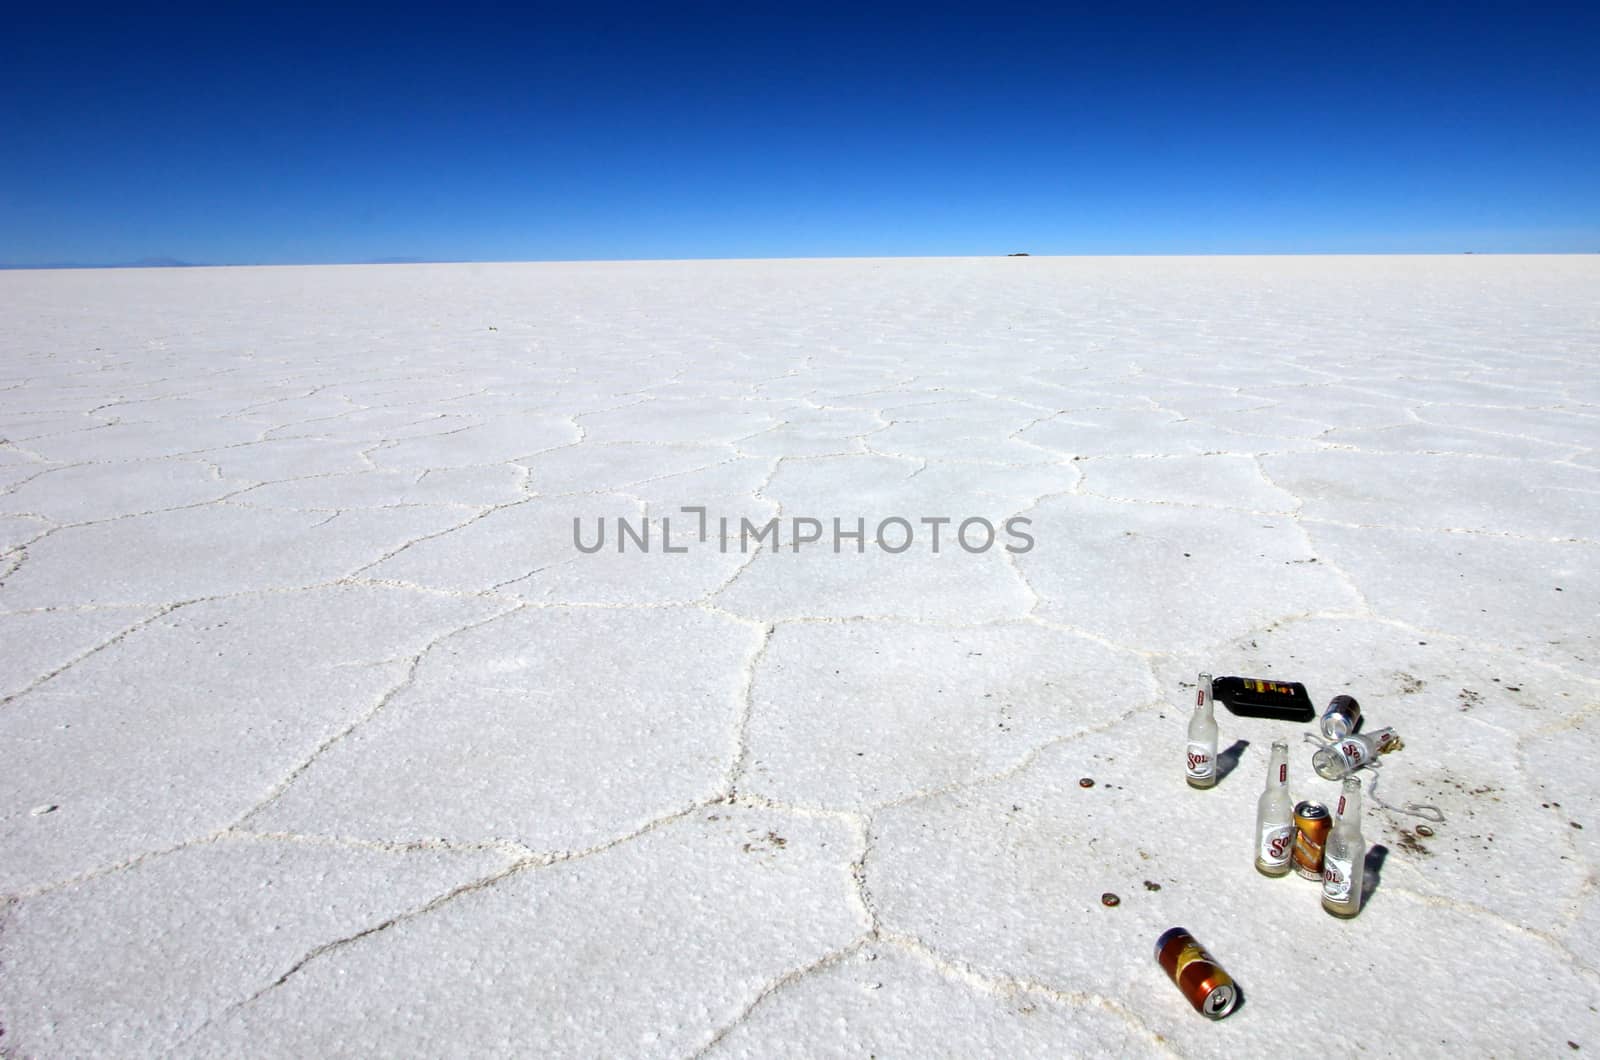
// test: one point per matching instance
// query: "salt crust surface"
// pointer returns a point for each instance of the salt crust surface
(321, 738)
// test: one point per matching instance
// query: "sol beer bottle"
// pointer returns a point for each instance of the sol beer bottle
(1344, 858)
(1202, 748)
(1275, 816)
(1343, 757)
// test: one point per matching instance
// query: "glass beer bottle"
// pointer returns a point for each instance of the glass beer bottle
(1201, 768)
(1343, 757)
(1344, 858)
(1275, 816)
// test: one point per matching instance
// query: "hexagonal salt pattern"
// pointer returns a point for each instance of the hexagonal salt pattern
(321, 735)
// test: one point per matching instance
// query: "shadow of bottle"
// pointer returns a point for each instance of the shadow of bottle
(1228, 760)
(1372, 870)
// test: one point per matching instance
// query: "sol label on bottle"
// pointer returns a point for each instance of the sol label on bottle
(1336, 873)
(1201, 765)
(1353, 753)
(1277, 841)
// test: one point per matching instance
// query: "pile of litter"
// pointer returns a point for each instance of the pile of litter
(1305, 836)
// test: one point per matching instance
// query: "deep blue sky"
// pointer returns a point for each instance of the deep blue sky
(315, 135)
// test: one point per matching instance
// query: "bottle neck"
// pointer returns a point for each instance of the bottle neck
(1202, 697)
(1349, 806)
(1384, 740)
(1278, 772)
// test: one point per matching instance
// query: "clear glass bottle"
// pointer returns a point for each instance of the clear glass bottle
(1275, 816)
(1201, 767)
(1344, 857)
(1343, 757)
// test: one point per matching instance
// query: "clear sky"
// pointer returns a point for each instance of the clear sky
(307, 134)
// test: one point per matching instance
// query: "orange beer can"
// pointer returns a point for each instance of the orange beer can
(1210, 990)
(1312, 825)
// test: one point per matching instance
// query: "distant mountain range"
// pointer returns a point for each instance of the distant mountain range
(142, 263)
(175, 263)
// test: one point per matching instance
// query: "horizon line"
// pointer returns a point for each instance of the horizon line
(401, 262)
